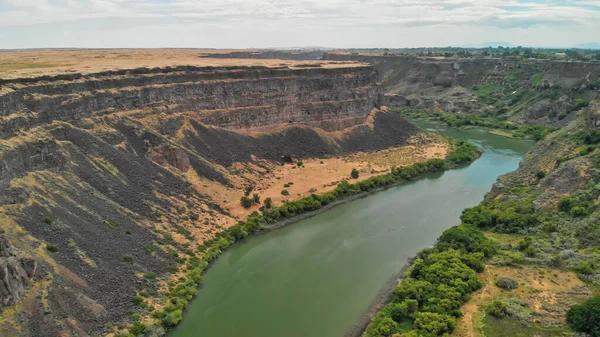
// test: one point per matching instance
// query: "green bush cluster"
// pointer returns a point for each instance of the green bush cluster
(585, 317)
(535, 132)
(185, 289)
(507, 283)
(507, 220)
(576, 206)
(497, 309)
(51, 248)
(438, 283)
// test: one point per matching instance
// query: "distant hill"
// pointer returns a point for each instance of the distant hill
(593, 45)
(492, 44)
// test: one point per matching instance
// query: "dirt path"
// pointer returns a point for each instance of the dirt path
(466, 326)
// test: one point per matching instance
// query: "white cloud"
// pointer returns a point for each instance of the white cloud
(54, 18)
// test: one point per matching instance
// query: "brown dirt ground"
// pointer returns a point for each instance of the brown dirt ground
(32, 63)
(315, 176)
(541, 287)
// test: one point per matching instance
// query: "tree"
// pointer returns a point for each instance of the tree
(432, 324)
(248, 190)
(173, 318)
(585, 317)
(268, 203)
(354, 174)
(246, 202)
(256, 198)
(385, 328)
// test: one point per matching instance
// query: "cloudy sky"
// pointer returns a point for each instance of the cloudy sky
(292, 23)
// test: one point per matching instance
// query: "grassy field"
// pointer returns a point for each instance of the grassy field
(31, 63)
(494, 327)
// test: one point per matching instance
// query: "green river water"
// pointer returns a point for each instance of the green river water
(316, 278)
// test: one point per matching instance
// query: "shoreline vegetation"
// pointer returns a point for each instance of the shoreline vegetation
(181, 292)
(552, 239)
(496, 126)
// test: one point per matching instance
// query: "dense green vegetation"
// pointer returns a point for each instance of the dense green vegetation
(565, 236)
(440, 280)
(585, 317)
(535, 132)
(517, 52)
(192, 264)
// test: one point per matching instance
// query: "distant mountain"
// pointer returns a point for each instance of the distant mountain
(593, 45)
(492, 44)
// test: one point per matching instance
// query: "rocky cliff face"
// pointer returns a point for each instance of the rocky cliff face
(231, 97)
(564, 161)
(16, 273)
(113, 172)
(533, 91)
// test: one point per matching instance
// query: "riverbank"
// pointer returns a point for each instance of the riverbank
(276, 217)
(493, 125)
(383, 297)
(268, 286)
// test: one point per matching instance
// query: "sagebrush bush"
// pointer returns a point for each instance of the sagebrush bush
(507, 283)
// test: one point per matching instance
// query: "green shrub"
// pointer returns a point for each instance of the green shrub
(466, 238)
(48, 219)
(285, 192)
(578, 211)
(52, 248)
(246, 202)
(585, 317)
(127, 258)
(497, 309)
(434, 324)
(149, 276)
(256, 198)
(385, 328)
(354, 174)
(137, 300)
(137, 329)
(541, 174)
(172, 318)
(268, 203)
(580, 103)
(507, 283)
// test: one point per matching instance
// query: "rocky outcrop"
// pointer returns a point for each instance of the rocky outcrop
(546, 156)
(16, 274)
(230, 97)
(531, 91)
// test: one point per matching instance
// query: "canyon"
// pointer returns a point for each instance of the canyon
(110, 176)
(116, 165)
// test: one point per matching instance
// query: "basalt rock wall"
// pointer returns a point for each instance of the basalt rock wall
(535, 91)
(107, 176)
(232, 98)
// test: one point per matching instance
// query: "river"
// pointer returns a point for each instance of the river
(316, 277)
